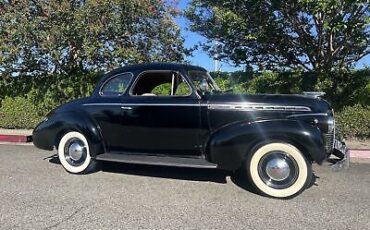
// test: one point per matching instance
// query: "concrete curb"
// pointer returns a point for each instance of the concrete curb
(17, 143)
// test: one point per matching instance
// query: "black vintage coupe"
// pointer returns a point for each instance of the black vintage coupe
(176, 115)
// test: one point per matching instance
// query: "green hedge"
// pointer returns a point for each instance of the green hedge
(18, 112)
(26, 100)
(49, 91)
(354, 122)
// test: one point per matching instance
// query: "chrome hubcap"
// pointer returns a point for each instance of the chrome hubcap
(277, 169)
(75, 151)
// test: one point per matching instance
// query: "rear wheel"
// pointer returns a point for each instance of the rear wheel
(74, 154)
(279, 170)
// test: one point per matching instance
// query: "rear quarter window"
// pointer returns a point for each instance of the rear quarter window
(116, 85)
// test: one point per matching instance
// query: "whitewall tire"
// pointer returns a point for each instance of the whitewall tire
(74, 153)
(279, 170)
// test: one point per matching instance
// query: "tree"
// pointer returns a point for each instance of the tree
(66, 36)
(319, 35)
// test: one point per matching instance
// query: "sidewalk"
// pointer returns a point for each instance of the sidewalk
(360, 151)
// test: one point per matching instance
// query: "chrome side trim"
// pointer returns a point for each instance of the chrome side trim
(125, 105)
(307, 115)
(235, 107)
(257, 107)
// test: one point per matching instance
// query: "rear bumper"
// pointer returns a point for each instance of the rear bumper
(341, 151)
(29, 139)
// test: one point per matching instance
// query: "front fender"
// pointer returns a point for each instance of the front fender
(229, 146)
(49, 132)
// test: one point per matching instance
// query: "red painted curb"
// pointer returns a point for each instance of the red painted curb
(357, 153)
(15, 138)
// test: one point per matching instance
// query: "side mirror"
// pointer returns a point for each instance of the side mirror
(203, 86)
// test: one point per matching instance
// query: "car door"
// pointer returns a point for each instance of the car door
(159, 118)
(106, 109)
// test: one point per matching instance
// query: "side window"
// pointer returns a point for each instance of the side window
(160, 83)
(116, 85)
(162, 90)
(183, 89)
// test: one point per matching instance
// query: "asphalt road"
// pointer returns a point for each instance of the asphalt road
(36, 193)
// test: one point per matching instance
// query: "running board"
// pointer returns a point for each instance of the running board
(156, 160)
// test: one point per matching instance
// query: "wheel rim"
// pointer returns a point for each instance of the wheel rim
(278, 170)
(75, 152)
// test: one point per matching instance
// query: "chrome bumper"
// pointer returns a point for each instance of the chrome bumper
(341, 151)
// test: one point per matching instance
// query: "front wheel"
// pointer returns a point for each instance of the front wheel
(279, 170)
(74, 154)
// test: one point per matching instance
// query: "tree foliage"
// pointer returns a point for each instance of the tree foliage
(320, 35)
(67, 36)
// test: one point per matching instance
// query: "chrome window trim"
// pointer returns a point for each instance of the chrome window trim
(110, 78)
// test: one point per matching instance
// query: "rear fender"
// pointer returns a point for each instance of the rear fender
(229, 146)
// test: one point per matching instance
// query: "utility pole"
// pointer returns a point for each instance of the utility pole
(216, 61)
(216, 65)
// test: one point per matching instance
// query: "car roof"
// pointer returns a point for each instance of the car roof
(156, 66)
(135, 69)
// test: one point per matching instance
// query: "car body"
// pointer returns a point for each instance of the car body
(175, 115)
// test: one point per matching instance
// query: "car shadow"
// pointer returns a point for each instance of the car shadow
(189, 174)
(178, 173)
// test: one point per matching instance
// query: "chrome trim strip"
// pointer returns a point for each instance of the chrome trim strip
(233, 107)
(137, 104)
(258, 107)
(307, 115)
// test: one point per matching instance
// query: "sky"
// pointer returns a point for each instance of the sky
(201, 58)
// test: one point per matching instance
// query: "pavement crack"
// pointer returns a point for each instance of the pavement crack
(67, 218)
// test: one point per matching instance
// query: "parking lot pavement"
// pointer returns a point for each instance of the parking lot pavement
(36, 193)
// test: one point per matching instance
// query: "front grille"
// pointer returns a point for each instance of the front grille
(329, 138)
(329, 142)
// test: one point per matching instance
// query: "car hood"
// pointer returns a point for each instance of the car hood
(225, 109)
(270, 101)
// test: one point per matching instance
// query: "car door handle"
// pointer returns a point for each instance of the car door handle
(126, 107)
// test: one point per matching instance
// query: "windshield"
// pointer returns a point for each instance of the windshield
(196, 76)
